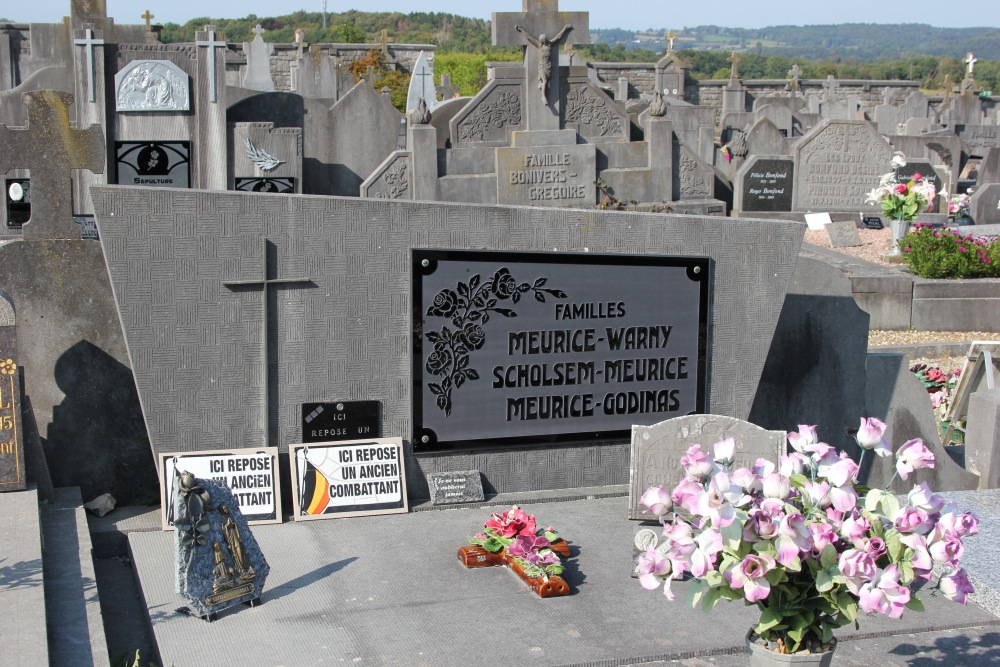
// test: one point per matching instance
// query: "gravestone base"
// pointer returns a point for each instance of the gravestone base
(713, 207)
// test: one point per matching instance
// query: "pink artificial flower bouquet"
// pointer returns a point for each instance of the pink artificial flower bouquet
(803, 540)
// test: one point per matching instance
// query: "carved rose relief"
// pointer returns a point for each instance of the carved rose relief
(593, 110)
(489, 122)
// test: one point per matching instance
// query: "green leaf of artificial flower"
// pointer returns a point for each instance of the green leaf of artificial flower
(829, 556)
(872, 500)
(915, 604)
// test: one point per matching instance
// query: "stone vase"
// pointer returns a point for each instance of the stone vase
(899, 229)
(760, 656)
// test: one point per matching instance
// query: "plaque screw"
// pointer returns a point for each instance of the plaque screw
(425, 439)
(340, 406)
(697, 270)
(425, 263)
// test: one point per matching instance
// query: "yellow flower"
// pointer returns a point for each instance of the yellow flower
(7, 367)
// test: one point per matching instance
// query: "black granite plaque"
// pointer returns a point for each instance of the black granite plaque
(161, 164)
(546, 347)
(344, 420)
(281, 185)
(923, 169)
(17, 196)
(871, 222)
(768, 186)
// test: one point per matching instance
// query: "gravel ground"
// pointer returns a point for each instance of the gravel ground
(876, 244)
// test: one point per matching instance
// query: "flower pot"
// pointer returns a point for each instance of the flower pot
(899, 229)
(761, 656)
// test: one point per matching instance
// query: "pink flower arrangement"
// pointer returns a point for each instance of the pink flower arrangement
(902, 201)
(803, 540)
(532, 548)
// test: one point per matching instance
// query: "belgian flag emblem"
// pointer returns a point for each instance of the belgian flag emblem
(315, 496)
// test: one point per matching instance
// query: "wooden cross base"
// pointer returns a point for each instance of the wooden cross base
(553, 586)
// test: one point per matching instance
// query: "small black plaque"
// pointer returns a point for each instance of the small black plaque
(161, 164)
(871, 222)
(923, 169)
(767, 186)
(343, 420)
(535, 348)
(279, 185)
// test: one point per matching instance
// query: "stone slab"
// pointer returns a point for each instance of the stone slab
(837, 165)
(22, 595)
(982, 437)
(460, 486)
(333, 600)
(843, 234)
(552, 176)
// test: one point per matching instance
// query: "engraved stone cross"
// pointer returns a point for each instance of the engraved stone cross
(88, 43)
(211, 43)
(263, 285)
(51, 149)
(542, 20)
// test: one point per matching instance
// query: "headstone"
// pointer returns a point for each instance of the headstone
(350, 478)
(657, 450)
(843, 234)
(979, 138)
(258, 74)
(985, 204)
(251, 474)
(152, 85)
(51, 149)
(837, 165)
(989, 168)
(162, 164)
(460, 486)
(343, 420)
(764, 138)
(219, 564)
(982, 437)
(421, 84)
(12, 472)
(265, 158)
(764, 183)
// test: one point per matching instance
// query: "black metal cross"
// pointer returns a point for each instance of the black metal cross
(263, 284)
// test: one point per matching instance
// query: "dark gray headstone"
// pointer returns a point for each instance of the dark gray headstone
(984, 204)
(219, 564)
(657, 450)
(460, 486)
(924, 169)
(989, 168)
(12, 473)
(982, 437)
(765, 184)
(843, 234)
(979, 138)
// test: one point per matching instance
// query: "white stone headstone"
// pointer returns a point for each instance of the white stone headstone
(421, 84)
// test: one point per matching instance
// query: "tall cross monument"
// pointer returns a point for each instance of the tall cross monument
(541, 28)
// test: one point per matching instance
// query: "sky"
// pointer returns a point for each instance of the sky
(626, 14)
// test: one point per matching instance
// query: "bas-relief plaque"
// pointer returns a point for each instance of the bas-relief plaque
(837, 165)
(547, 175)
(543, 347)
(273, 184)
(162, 164)
(767, 185)
(152, 85)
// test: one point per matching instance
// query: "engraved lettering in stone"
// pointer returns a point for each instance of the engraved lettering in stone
(840, 166)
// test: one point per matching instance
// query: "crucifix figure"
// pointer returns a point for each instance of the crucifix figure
(544, 46)
(149, 17)
(263, 284)
(671, 36)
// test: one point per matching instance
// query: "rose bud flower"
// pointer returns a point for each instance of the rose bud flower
(913, 455)
(696, 463)
(870, 436)
(657, 501)
(956, 586)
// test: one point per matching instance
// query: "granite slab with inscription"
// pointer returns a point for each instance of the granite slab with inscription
(459, 486)
(657, 450)
(219, 564)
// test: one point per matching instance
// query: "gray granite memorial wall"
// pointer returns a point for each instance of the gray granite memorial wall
(213, 373)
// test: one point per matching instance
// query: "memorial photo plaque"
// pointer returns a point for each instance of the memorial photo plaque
(251, 474)
(280, 185)
(17, 195)
(343, 420)
(768, 186)
(537, 348)
(162, 164)
(353, 478)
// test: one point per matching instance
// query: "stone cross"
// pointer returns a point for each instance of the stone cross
(542, 20)
(795, 72)
(446, 90)
(263, 285)
(300, 38)
(149, 17)
(88, 43)
(51, 150)
(947, 85)
(971, 61)
(211, 43)
(384, 40)
(831, 87)
(671, 36)
(258, 31)
(735, 60)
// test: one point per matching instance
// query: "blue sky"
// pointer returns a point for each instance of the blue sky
(628, 14)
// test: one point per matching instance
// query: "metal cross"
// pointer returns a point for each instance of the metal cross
(88, 43)
(149, 17)
(263, 284)
(432, 98)
(211, 44)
